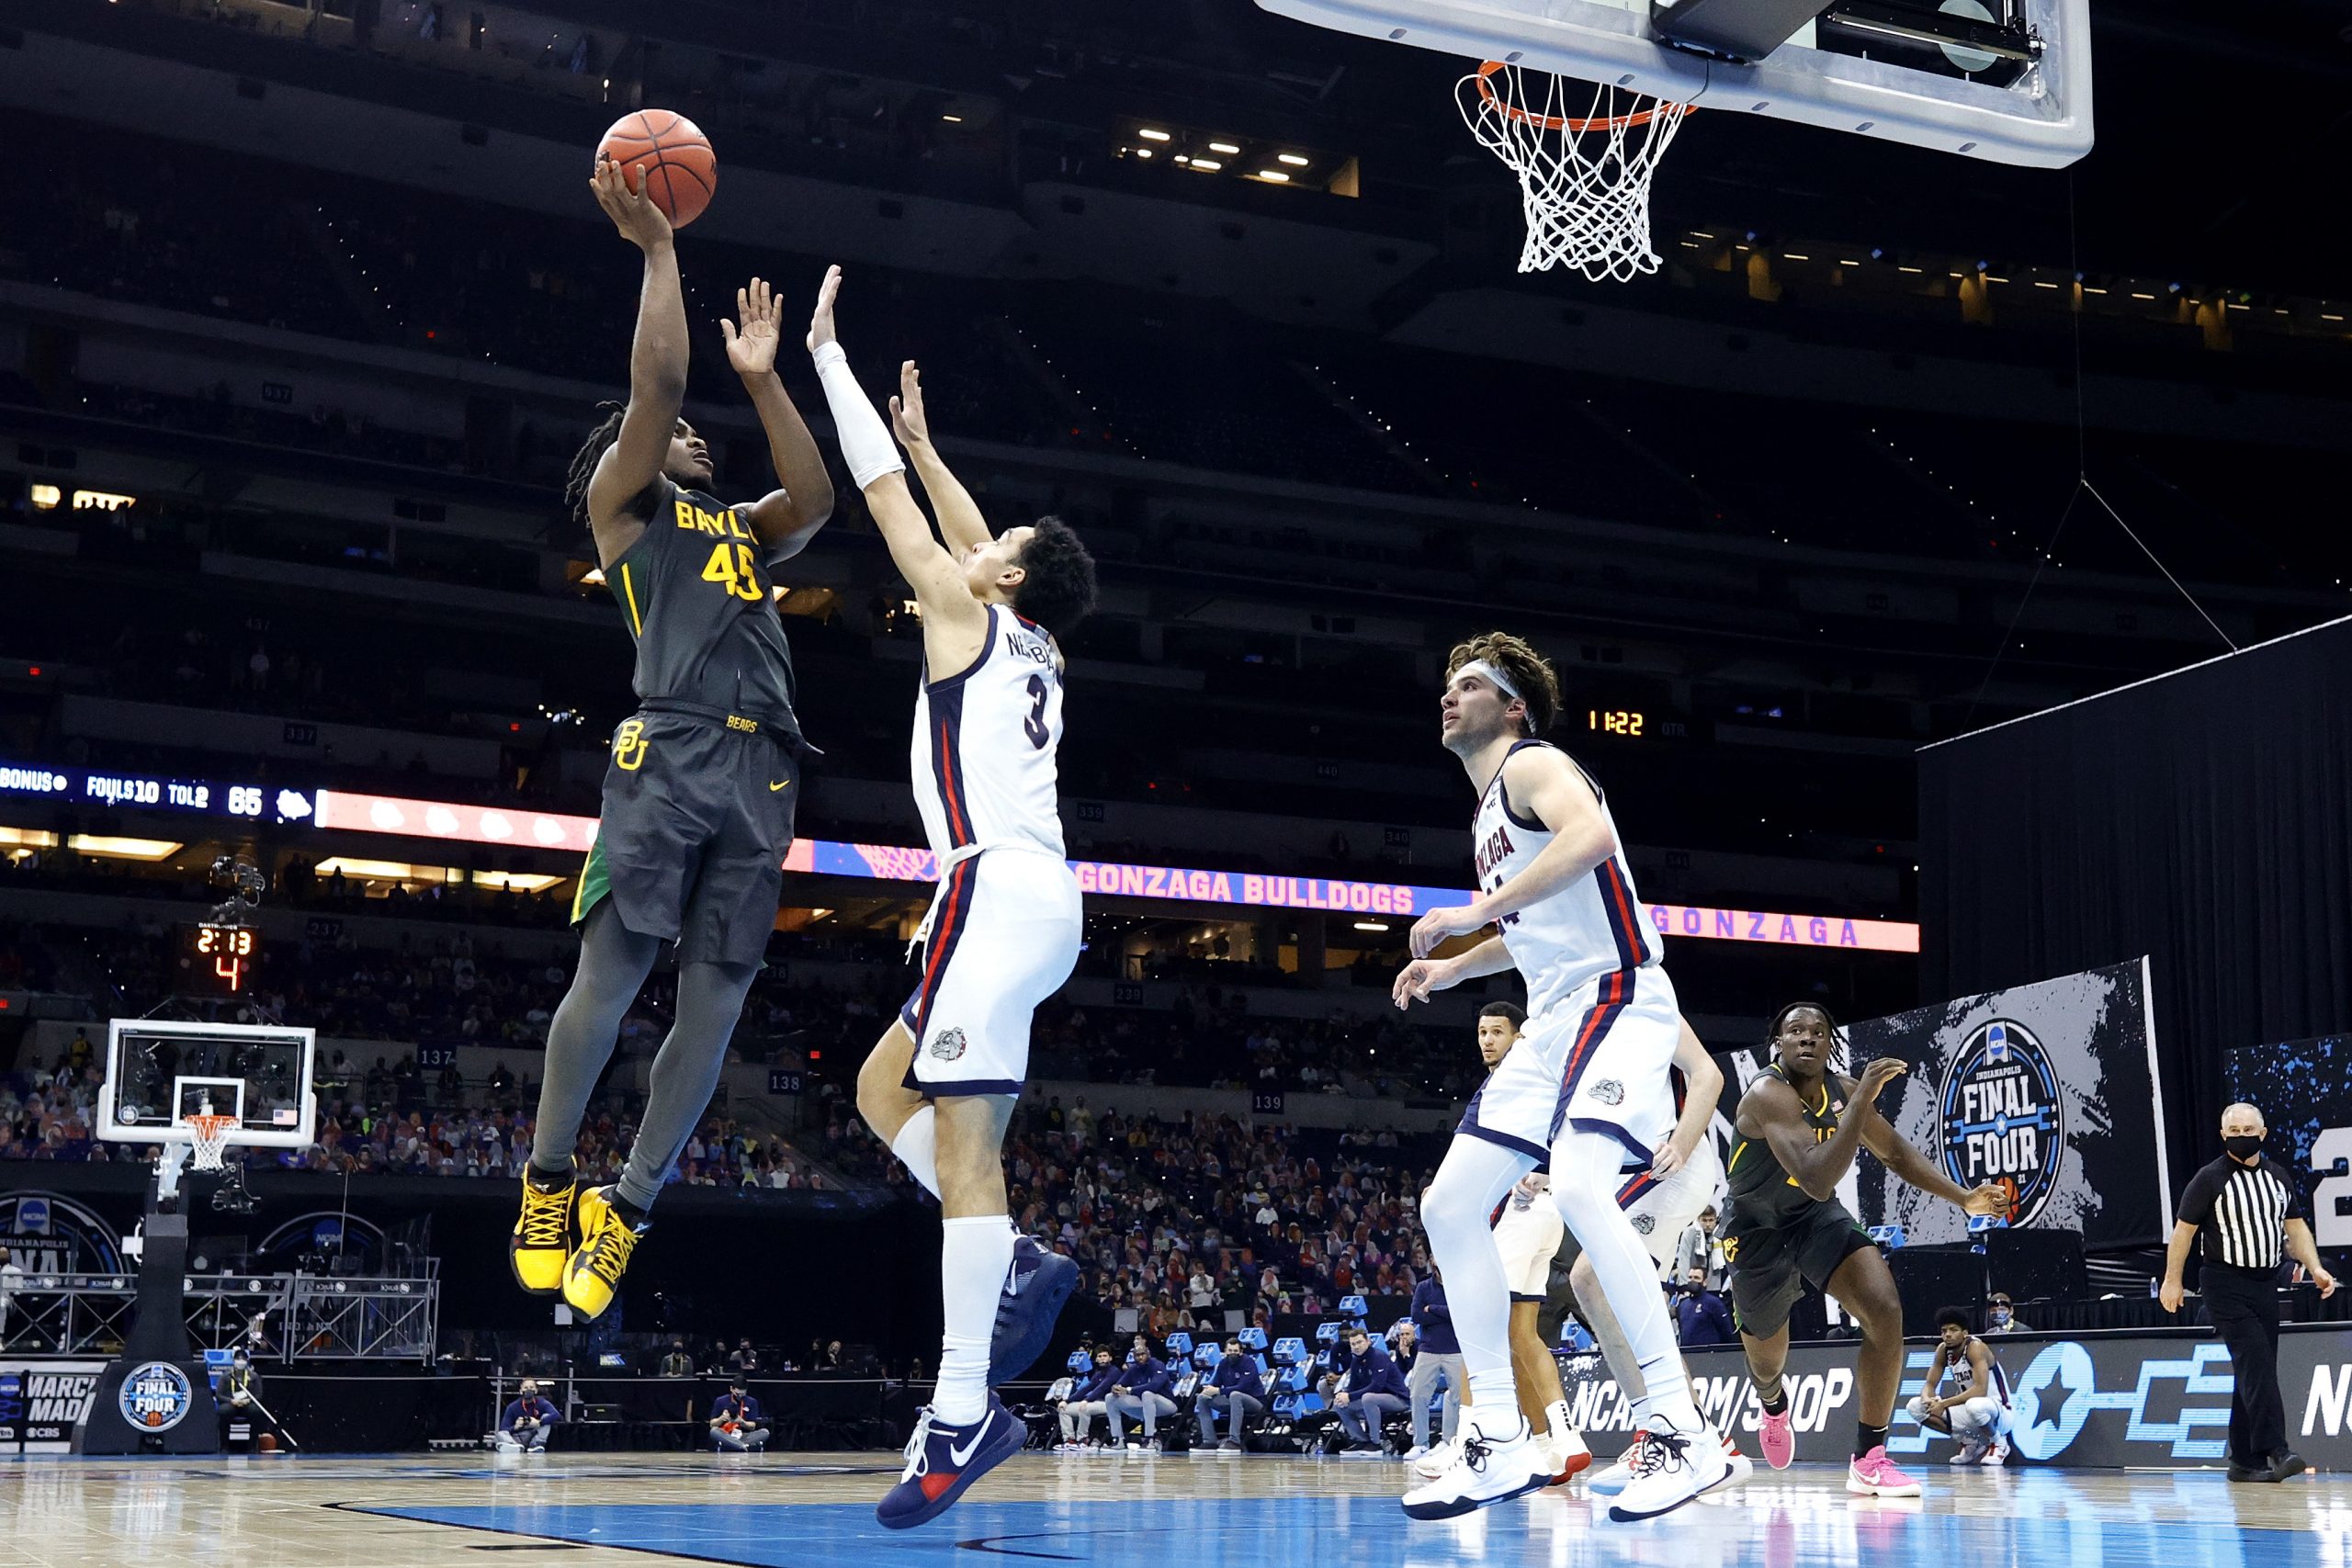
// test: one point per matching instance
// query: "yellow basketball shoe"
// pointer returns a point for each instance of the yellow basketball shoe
(609, 1227)
(542, 1238)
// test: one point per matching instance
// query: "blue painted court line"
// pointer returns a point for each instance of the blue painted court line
(1817, 1530)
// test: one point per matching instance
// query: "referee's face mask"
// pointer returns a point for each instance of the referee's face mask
(2245, 1145)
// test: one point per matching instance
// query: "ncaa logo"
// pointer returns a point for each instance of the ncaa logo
(948, 1045)
(2003, 1118)
(156, 1396)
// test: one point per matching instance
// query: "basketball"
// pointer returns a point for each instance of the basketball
(681, 170)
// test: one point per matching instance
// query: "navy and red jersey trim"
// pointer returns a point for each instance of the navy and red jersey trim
(1613, 996)
(947, 763)
(1623, 914)
(947, 935)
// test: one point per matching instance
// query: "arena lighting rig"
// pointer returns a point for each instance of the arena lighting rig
(341, 811)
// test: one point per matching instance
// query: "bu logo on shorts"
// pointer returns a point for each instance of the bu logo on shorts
(948, 1045)
(1609, 1092)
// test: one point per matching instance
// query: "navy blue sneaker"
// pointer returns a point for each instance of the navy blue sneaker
(1035, 1288)
(941, 1460)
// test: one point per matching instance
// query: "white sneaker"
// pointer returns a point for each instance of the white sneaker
(1569, 1457)
(1970, 1453)
(1416, 1451)
(1999, 1454)
(1610, 1482)
(1435, 1459)
(1483, 1472)
(1671, 1468)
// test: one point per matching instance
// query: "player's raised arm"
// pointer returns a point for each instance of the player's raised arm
(954, 622)
(783, 520)
(1895, 1152)
(960, 523)
(657, 366)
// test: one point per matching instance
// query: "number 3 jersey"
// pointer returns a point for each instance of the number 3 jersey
(697, 596)
(984, 745)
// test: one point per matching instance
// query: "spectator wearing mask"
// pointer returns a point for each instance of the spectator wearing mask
(737, 1424)
(240, 1396)
(1142, 1392)
(1087, 1400)
(1372, 1391)
(743, 1360)
(1700, 1314)
(1701, 1246)
(1234, 1390)
(675, 1362)
(2000, 1317)
(524, 1429)
(1438, 1360)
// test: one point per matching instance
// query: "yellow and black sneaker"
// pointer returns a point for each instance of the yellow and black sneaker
(542, 1238)
(609, 1227)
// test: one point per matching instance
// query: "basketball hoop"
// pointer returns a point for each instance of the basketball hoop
(1584, 179)
(208, 1139)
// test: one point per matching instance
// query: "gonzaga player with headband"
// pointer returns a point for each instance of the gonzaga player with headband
(1585, 1088)
(1003, 930)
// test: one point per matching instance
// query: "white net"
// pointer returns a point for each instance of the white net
(1584, 177)
(208, 1140)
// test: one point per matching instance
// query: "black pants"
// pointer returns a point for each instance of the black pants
(2244, 1307)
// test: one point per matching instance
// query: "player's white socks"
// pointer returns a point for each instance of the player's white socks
(917, 1146)
(974, 1253)
(1585, 1169)
(1471, 1181)
(1567, 1442)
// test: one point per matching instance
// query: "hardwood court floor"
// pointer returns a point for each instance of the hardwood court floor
(816, 1511)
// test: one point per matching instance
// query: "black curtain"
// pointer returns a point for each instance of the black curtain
(2203, 819)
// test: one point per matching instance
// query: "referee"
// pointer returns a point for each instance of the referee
(2251, 1213)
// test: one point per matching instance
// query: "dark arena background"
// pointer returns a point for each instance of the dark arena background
(1940, 550)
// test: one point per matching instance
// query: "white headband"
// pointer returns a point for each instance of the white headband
(1495, 677)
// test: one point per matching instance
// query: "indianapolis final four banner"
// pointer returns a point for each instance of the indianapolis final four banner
(2051, 1087)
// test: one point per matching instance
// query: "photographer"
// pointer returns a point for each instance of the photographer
(737, 1423)
(524, 1429)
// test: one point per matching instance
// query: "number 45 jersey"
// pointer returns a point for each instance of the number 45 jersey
(1004, 932)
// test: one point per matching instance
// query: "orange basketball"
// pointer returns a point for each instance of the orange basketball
(680, 171)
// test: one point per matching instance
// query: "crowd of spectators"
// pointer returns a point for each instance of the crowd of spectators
(1185, 1221)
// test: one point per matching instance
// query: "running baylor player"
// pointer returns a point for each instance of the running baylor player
(1005, 928)
(1587, 1087)
(703, 776)
(1799, 1127)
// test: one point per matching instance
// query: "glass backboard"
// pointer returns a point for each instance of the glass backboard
(159, 1074)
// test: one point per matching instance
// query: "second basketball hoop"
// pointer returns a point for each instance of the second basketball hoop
(1584, 168)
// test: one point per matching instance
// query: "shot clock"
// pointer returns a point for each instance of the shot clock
(219, 959)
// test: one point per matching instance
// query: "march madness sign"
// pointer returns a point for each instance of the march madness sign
(2049, 1090)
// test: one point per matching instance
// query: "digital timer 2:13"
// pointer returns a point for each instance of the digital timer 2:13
(220, 958)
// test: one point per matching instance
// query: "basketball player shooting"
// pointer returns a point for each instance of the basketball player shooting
(704, 775)
(1800, 1125)
(1005, 928)
(1586, 1086)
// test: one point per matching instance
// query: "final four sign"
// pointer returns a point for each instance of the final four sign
(2048, 1089)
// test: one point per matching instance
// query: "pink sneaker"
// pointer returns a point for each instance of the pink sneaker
(1777, 1443)
(1874, 1475)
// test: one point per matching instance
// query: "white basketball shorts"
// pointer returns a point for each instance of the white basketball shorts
(1527, 1233)
(1597, 1062)
(1005, 938)
(1662, 1209)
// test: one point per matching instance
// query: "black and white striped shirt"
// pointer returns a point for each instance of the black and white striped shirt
(2241, 1212)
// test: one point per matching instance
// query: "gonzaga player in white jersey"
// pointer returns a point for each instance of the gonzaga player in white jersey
(1003, 930)
(1586, 1088)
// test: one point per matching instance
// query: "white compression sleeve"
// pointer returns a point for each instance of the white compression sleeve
(866, 443)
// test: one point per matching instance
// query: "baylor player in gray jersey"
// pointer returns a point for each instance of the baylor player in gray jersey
(703, 776)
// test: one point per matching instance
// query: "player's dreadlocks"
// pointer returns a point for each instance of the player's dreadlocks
(584, 465)
(1772, 1033)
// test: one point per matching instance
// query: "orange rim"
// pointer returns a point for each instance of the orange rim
(1560, 122)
